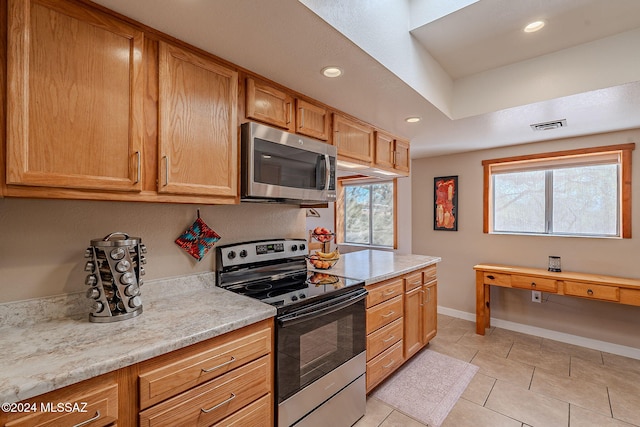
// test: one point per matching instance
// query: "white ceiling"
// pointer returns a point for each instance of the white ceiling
(471, 75)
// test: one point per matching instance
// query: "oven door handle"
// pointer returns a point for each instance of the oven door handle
(322, 309)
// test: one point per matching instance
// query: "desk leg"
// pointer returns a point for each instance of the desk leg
(483, 312)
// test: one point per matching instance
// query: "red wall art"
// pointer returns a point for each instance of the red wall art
(445, 195)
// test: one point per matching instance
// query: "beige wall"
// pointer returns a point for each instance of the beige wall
(42, 242)
(461, 250)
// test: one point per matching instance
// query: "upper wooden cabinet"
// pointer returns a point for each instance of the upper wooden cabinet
(75, 91)
(197, 128)
(391, 153)
(268, 104)
(353, 139)
(312, 120)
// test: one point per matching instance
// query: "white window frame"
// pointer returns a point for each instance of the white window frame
(618, 154)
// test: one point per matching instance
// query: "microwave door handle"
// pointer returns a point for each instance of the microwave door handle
(327, 171)
(288, 321)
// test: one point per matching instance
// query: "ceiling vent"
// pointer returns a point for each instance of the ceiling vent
(556, 124)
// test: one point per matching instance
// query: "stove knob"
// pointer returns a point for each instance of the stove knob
(302, 296)
(127, 278)
(294, 298)
(123, 266)
(143, 260)
(91, 280)
(143, 249)
(135, 302)
(302, 246)
(93, 293)
(131, 291)
(117, 253)
(231, 255)
(88, 253)
(243, 253)
(89, 266)
(142, 272)
(294, 248)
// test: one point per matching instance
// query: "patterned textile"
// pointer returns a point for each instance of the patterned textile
(198, 239)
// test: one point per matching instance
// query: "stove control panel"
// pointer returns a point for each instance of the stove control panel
(265, 250)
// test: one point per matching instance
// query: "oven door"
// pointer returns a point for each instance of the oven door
(281, 165)
(317, 339)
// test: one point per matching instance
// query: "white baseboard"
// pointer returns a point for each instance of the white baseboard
(547, 333)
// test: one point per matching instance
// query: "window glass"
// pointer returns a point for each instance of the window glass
(519, 202)
(368, 213)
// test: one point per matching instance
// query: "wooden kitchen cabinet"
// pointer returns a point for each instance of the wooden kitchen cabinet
(75, 91)
(268, 104)
(420, 309)
(93, 403)
(312, 120)
(197, 129)
(391, 153)
(353, 139)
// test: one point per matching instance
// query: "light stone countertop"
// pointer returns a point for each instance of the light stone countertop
(374, 265)
(39, 355)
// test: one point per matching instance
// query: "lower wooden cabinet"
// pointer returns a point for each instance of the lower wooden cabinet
(401, 320)
(93, 403)
(223, 381)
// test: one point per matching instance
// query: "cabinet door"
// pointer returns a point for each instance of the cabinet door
(401, 156)
(75, 87)
(413, 301)
(384, 150)
(312, 120)
(430, 312)
(354, 140)
(269, 105)
(197, 129)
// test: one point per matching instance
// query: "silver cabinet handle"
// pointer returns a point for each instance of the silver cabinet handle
(389, 339)
(90, 420)
(390, 292)
(390, 364)
(224, 402)
(166, 170)
(233, 359)
(391, 313)
(138, 163)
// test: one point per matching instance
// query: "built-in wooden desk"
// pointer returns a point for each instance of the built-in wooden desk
(591, 286)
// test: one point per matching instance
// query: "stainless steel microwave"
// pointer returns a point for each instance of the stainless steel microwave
(281, 166)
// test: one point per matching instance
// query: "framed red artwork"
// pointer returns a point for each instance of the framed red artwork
(445, 195)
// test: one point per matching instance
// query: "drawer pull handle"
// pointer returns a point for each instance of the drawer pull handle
(390, 292)
(390, 364)
(213, 408)
(233, 359)
(589, 292)
(491, 276)
(392, 337)
(533, 284)
(90, 420)
(391, 313)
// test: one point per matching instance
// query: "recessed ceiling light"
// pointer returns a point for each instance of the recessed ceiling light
(534, 26)
(412, 119)
(331, 72)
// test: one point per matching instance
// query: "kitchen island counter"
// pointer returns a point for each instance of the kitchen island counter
(44, 349)
(373, 266)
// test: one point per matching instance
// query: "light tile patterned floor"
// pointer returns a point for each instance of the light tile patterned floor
(528, 381)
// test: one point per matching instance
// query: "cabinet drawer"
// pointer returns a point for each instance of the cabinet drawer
(382, 366)
(412, 281)
(210, 402)
(383, 338)
(384, 313)
(534, 283)
(497, 279)
(99, 394)
(630, 296)
(200, 364)
(587, 290)
(384, 291)
(257, 414)
(429, 274)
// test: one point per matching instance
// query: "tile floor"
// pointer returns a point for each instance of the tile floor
(528, 381)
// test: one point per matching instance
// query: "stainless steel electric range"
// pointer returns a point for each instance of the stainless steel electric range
(320, 330)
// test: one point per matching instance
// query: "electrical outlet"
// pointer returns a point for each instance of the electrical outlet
(536, 296)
